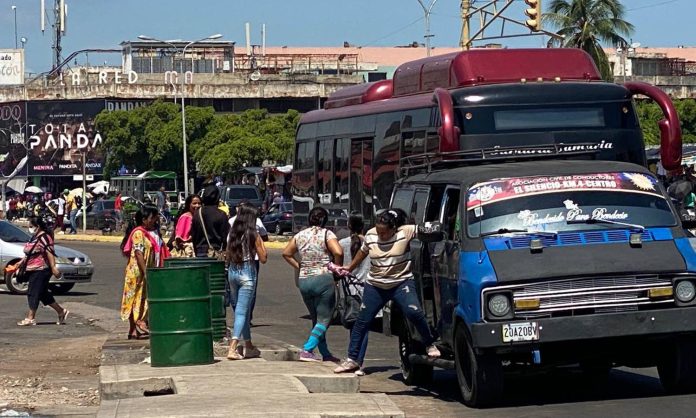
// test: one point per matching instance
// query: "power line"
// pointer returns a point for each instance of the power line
(652, 5)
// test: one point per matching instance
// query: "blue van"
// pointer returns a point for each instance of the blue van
(548, 263)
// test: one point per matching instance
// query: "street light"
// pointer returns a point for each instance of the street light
(23, 40)
(426, 12)
(14, 8)
(183, 106)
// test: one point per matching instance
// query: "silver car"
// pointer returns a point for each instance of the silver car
(75, 266)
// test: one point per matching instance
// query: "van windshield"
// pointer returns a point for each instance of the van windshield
(548, 203)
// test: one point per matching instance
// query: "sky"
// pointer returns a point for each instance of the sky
(106, 23)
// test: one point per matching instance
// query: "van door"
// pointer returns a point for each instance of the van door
(445, 263)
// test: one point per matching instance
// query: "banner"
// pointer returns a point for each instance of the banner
(502, 189)
(12, 127)
(11, 67)
(59, 133)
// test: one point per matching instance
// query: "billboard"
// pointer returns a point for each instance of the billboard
(11, 67)
(12, 127)
(59, 133)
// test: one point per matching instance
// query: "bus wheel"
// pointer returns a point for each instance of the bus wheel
(480, 376)
(677, 366)
(413, 374)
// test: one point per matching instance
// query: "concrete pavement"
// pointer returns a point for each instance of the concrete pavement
(265, 386)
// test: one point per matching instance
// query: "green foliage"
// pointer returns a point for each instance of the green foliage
(649, 114)
(586, 24)
(248, 138)
(150, 138)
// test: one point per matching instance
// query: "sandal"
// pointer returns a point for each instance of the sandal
(62, 317)
(142, 328)
(234, 355)
(26, 322)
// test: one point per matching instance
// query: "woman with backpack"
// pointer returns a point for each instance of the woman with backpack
(39, 265)
(353, 289)
(316, 246)
(144, 248)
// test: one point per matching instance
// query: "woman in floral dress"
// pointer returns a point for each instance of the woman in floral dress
(144, 248)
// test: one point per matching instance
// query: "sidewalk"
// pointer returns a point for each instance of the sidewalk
(90, 235)
(268, 386)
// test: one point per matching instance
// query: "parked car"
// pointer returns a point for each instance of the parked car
(278, 218)
(100, 214)
(75, 266)
(234, 194)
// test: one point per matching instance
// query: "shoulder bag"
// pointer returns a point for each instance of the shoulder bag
(21, 275)
(218, 254)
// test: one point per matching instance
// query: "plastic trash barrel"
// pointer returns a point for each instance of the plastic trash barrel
(181, 333)
(218, 280)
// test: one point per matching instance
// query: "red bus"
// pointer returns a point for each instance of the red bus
(483, 104)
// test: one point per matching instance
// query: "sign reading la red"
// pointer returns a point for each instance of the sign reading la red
(128, 77)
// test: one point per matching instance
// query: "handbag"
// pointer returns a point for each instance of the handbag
(350, 300)
(212, 252)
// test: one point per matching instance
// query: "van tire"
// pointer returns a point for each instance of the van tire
(480, 376)
(413, 374)
(677, 366)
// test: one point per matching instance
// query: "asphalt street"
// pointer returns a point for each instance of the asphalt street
(280, 314)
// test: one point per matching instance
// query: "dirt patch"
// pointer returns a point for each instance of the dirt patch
(56, 372)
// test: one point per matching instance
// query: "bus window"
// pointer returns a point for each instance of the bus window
(342, 164)
(324, 171)
(450, 208)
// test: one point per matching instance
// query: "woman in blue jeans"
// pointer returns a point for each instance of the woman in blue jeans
(389, 278)
(243, 245)
(317, 246)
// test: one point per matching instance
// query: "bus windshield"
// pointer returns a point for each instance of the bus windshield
(566, 203)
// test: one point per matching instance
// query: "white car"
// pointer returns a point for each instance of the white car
(75, 265)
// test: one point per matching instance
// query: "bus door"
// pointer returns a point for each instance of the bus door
(360, 189)
(445, 263)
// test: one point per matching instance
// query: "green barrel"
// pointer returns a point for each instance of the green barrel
(218, 279)
(181, 333)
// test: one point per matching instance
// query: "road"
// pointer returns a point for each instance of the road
(281, 314)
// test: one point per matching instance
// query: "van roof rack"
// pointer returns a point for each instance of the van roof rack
(427, 162)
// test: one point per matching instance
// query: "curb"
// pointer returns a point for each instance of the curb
(274, 245)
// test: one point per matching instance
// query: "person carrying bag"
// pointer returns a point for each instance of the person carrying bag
(209, 227)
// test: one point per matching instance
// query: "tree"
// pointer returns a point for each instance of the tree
(649, 114)
(246, 139)
(150, 137)
(586, 24)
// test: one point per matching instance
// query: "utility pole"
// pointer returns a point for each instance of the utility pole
(464, 38)
(426, 11)
(59, 17)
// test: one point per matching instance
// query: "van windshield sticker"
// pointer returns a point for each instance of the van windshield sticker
(573, 213)
(508, 188)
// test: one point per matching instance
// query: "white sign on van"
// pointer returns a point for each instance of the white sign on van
(11, 67)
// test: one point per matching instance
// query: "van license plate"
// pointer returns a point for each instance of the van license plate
(520, 331)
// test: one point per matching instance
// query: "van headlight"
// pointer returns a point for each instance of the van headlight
(685, 291)
(499, 305)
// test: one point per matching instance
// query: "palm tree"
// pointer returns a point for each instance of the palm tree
(586, 24)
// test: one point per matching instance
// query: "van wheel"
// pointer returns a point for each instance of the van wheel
(677, 367)
(14, 287)
(480, 376)
(413, 374)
